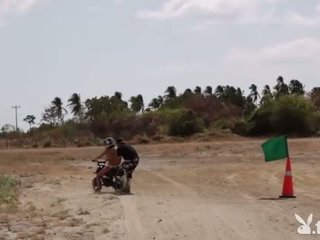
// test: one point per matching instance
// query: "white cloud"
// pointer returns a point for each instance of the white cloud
(308, 20)
(15, 7)
(218, 8)
(296, 18)
(240, 11)
(318, 7)
(304, 50)
(233, 11)
(311, 19)
(118, 1)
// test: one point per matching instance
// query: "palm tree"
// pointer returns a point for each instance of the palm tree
(30, 119)
(76, 106)
(141, 102)
(208, 91)
(197, 90)
(266, 94)
(296, 87)
(281, 88)
(160, 101)
(266, 91)
(249, 106)
(187, 92)
(118, 95)
(219, 92)
(49, 116)
(239, 99)
(57, 108)
(230, 94)
(280, 80)
(137, 104)
(156, 103)
(171, 93)
(254, 93)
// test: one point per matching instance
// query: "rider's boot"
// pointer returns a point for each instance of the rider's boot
(128, 186)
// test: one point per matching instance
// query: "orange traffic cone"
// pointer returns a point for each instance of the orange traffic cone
(287, 191)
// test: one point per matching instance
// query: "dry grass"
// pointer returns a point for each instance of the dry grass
(59, 156)
(29, 162)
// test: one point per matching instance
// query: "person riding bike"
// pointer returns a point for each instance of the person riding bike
(130, 156)
(111, 156)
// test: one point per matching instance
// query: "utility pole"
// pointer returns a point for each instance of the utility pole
(16, 112)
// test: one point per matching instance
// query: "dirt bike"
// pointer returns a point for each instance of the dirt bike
(116, 178)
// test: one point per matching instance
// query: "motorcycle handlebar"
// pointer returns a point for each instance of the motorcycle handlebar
(99, 161)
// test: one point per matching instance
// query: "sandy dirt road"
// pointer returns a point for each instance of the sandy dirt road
(217, 190)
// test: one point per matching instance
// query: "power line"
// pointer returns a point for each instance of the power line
(16, 114)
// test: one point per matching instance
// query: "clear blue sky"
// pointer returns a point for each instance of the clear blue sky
(52, 48)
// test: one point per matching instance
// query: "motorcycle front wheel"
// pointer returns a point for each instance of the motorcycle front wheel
(96, 187)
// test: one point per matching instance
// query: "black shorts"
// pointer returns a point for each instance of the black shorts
(130, 166)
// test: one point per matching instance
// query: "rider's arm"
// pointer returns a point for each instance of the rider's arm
(119, 154)
(100, 156)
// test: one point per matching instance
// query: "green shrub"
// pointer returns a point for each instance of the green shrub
(241, 127)
(186, 124)
(8, 190)
(291, 114)
(223, 124)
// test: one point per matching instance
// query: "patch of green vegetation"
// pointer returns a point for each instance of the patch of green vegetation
(8, 190)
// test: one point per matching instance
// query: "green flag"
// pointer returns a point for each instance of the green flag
(275, 148)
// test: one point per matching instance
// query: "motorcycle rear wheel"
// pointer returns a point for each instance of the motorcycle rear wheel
(95, 186)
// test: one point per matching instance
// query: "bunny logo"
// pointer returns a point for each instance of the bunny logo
(305, 228)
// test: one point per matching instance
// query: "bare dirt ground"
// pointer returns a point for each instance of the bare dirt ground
(209, 190)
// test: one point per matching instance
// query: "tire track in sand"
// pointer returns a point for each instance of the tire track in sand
(167, 213)
(132, 215)
(132, 220)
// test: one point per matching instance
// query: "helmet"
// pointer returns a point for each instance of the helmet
(109, 142)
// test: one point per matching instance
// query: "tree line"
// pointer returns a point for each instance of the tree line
(285, 108)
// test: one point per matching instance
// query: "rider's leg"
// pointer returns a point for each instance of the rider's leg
(131, 169)
(101, 173)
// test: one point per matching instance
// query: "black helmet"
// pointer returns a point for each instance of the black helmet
(109, 142)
